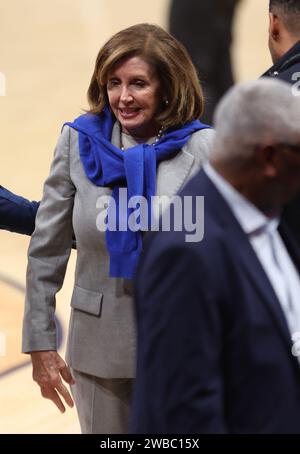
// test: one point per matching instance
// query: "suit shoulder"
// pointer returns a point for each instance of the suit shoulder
(69, 133)
(200, 144)
(69, 139)
(194, 186)
(204, 136)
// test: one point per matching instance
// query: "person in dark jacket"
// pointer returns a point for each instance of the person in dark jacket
(284, 45)
(219, 319)
(17, 214)
(204, 27)
(284, 40)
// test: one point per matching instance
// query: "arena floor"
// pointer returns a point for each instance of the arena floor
(47, 55)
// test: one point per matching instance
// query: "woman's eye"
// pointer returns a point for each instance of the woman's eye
(113, 83)
(139, 83)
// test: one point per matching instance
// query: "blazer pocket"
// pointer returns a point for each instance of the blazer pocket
(87, 301)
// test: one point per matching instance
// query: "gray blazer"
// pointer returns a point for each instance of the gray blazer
(102, 337)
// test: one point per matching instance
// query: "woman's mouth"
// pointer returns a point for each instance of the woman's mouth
(129, 113)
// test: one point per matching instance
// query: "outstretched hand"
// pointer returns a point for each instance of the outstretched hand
(48, 371)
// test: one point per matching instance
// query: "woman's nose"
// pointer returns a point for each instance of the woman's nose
(126, 95)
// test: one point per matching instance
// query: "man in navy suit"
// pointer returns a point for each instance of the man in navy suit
(16, 213)
(217, 319)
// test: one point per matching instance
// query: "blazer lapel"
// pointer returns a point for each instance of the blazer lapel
(247, 257)
(172, 173)
(260, 281)
(291, 244)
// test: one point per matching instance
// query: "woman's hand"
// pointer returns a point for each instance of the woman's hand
(48, 370)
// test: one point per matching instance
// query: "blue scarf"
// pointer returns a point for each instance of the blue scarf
(107, 165)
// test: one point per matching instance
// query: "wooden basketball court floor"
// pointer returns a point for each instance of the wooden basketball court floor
(47, 55)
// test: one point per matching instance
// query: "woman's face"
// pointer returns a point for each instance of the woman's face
(134, 94)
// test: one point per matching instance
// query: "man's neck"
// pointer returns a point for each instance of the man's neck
(287, 44)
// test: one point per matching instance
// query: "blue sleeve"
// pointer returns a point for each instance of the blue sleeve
(16, 213)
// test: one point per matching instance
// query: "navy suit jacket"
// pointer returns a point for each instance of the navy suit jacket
(16, 213)
(214, 349)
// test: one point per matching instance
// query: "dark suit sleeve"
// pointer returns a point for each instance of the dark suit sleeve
(179, 372)
(16, 213)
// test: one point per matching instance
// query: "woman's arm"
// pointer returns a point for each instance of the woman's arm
(48, 255)
(16, 213)
(49, 251)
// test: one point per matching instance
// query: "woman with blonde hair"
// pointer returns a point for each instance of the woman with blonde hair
(142, 133)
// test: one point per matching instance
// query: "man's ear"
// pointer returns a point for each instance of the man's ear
(267, 160)
(274, 27)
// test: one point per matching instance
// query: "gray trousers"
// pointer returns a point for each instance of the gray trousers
(103, 405)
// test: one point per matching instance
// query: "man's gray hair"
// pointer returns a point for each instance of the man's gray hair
(259, 112)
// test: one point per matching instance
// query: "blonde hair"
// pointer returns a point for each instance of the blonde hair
(173, 66)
